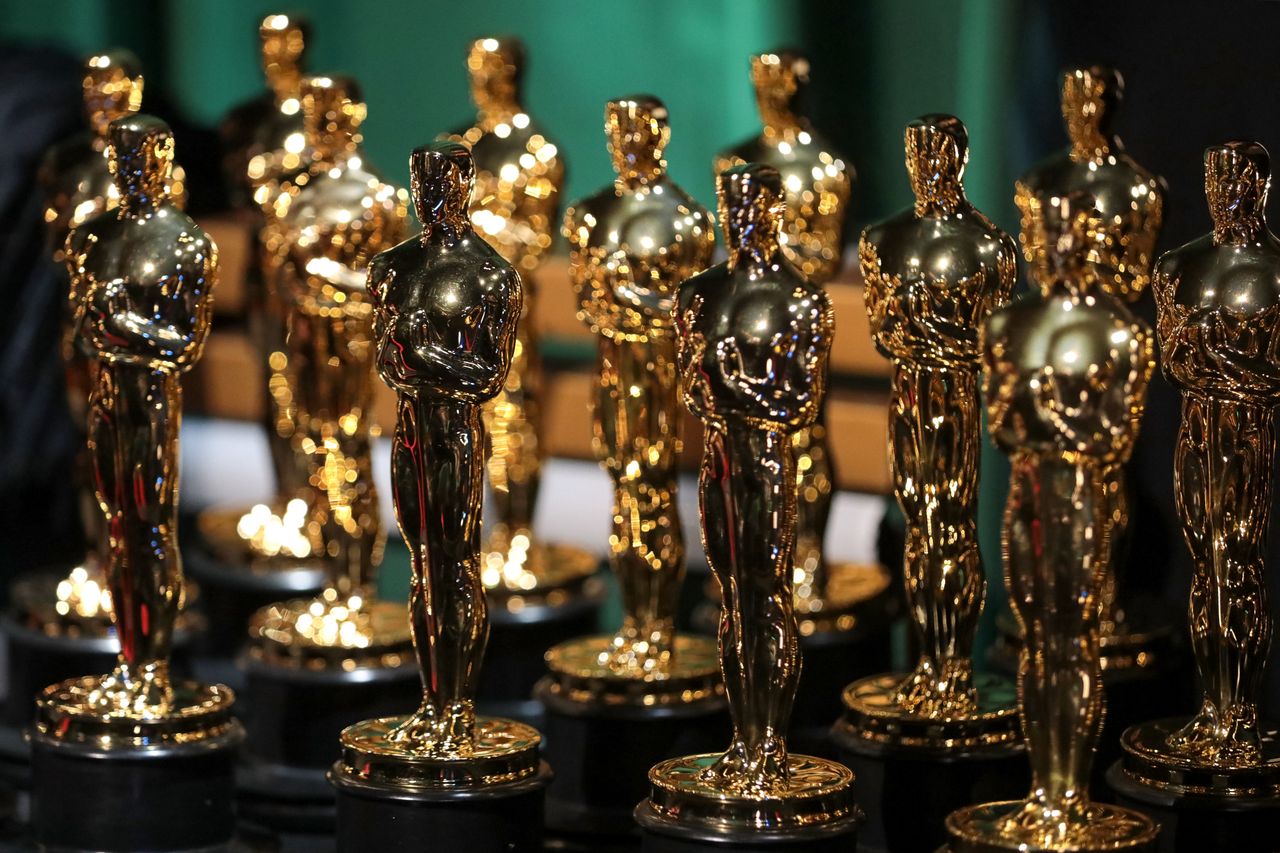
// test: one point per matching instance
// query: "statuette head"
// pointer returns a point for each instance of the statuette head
(638, 133)
(442, 176)
(112, 88)
(937, 149)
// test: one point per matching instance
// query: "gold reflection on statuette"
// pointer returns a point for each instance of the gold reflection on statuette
(933, 274)
(630, 245)
(320, 236)
(1066, 373)
(1219, 324)
(142, 282)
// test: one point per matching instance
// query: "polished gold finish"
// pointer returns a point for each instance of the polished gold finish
(74, 712)
(520, 174)
(684, 791)
(1128, 197)
(816, 182)
(1219, 320)
(1066, 373)
(630, 245)
(1131, 202)
(266, 154)
(75, 174)
(321, 236)
(446, 306)
(75, 178)
(142, 279)
(934, 272)
(580, 676)
(753, 338)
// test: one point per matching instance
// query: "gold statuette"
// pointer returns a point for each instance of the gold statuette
(446, 305)
(630, 245)
(76, 179)
(142, 278)
(753, 336)
(1066, 374)
(519, 176)
(933, 274)
(323, 235)
(1131, 202)
(266, 153)
(817, 184)
(1219, 324)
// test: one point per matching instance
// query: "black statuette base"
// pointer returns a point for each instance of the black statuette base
(602, 756)
(296, 715)
(907, 793)
(659, 838)
(172, 798)
(497, 819)
(1201, 824)
(514, 657)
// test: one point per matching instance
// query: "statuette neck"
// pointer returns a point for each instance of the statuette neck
(638, 133)
(442, 176)
(112, 85)
(332, 110)
(779, 79)
(751, 208)
(284, 43)
(937, 149)
(140, 155)
(1090, 100)
(1237, 177)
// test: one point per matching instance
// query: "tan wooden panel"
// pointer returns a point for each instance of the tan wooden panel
(233, 234)
(227, 383)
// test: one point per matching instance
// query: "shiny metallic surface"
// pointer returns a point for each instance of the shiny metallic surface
(1128, 197)
(265, 153)
(503, 751)
(446, 305)
(142, 279)
(753, 338)
(1065, 373)
(520, 174)
(75, 175)
(630, 245)
(1218, 322)
(817, 182)
(75, 178)
(321, 236)
(933, 274)
(580, 676)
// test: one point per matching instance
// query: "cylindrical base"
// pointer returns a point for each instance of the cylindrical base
(230, 594)
(296, 714)
(295, 717)
(636, 721)
(1102, 828)
(815, 812)
(749, 841)
(1200, 823)
(494, 819)
(518, 640)
(908, 792)
(831, 660)
(166, 797)
(37, 659)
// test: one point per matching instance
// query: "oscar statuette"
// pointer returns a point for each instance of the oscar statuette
(247, 557)
(1145, 664)
(136, 759)
(647, 691)
(753, 336)
(926, 742)
(1065, 374)
(540, 593)
(58, 623)
(1213, 781)
(844, 610)
(316, 665)
(446, 306)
